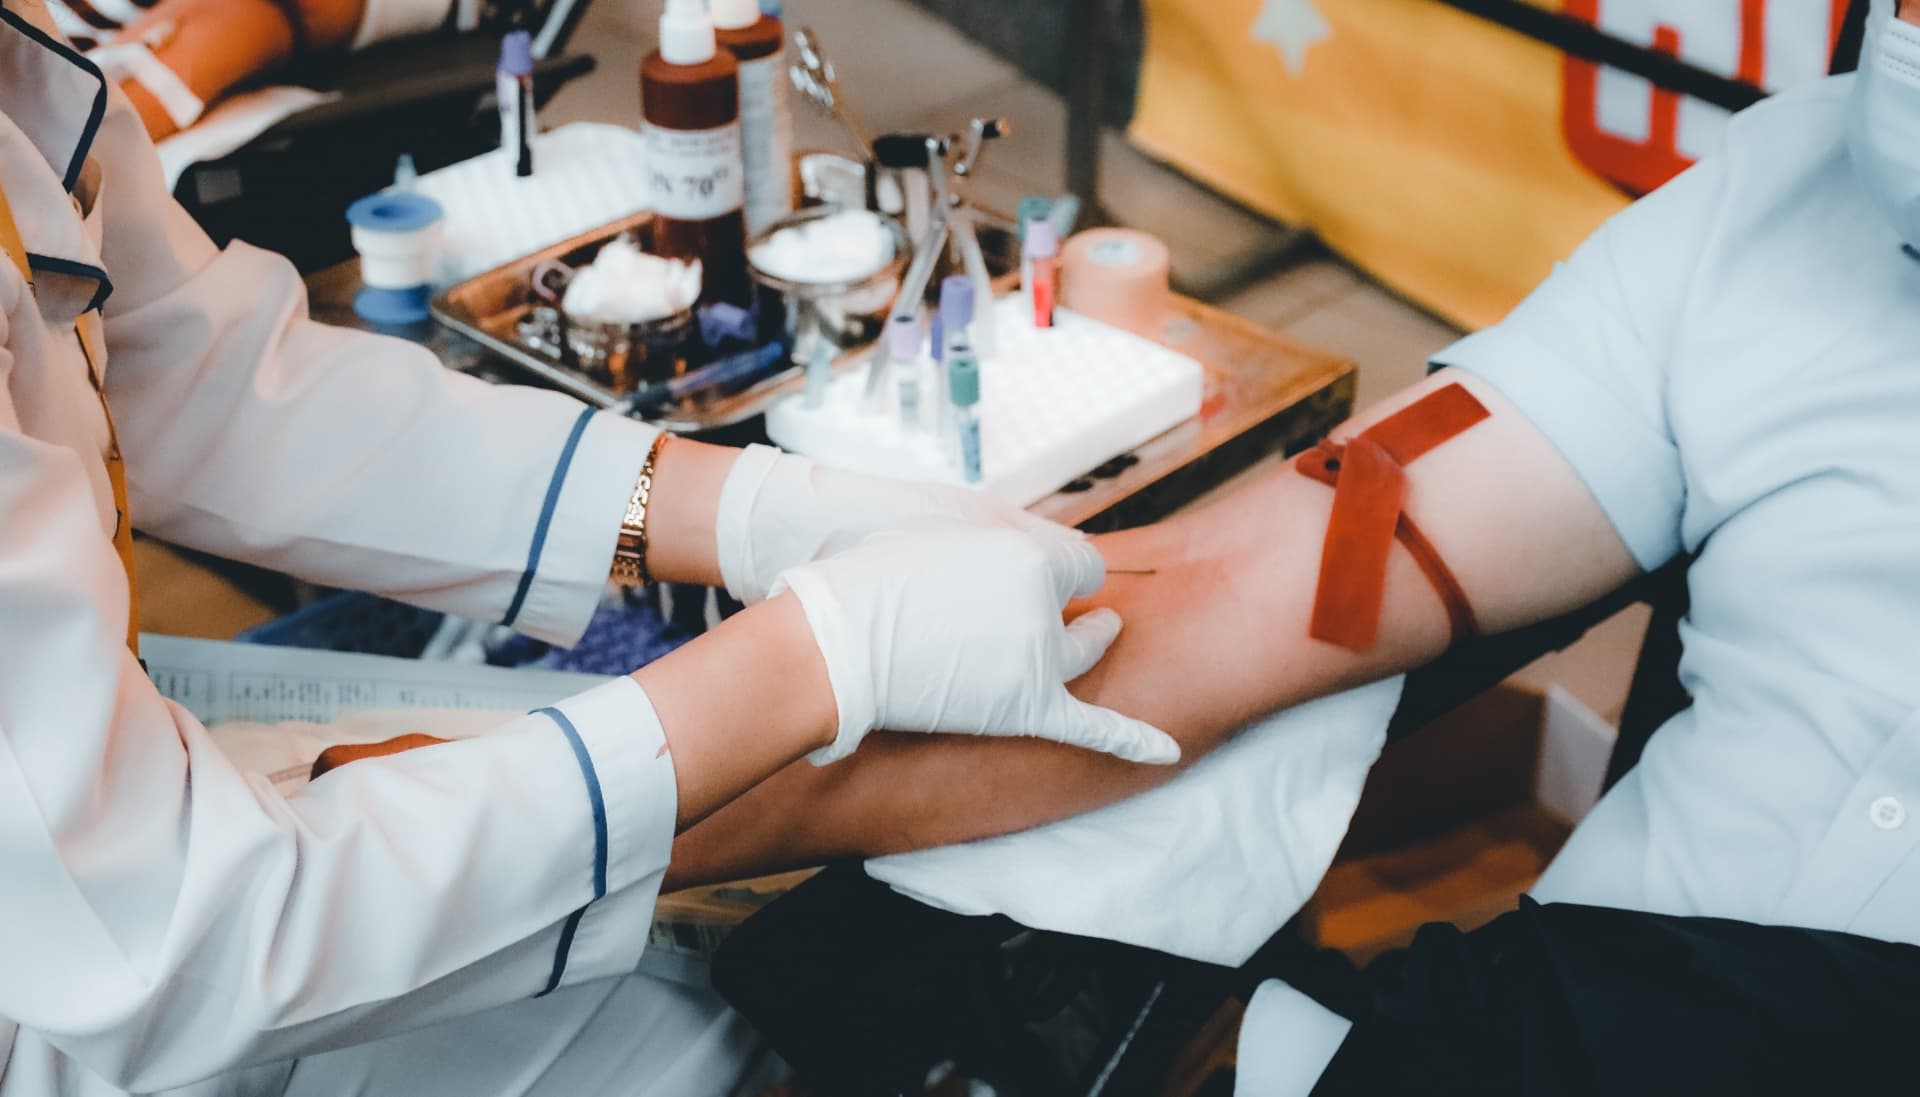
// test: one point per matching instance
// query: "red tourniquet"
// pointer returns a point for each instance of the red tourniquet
(1369, 480)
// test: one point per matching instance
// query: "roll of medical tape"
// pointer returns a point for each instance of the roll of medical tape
(398, 237)
(1119, 277)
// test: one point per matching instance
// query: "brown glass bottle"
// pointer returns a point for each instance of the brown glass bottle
(692, 113)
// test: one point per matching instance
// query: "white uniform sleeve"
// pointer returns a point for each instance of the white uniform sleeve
(349, 459)
(168, 918)
(1587, 356)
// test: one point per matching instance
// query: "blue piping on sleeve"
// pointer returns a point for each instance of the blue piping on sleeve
(599, 805)
(560, 954)
(594, 798)
(546, 516)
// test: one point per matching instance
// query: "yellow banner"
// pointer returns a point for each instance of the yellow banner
(1453, 159)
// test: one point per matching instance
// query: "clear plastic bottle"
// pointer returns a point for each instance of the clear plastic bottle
(759, 43)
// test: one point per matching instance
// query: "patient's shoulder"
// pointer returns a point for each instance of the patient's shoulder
(1775, 146)
(1778, 178)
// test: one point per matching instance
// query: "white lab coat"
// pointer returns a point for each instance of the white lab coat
(165, 918)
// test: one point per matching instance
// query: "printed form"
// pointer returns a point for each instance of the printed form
(223, 682)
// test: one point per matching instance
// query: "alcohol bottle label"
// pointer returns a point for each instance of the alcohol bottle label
(694, 175)
(766, 125)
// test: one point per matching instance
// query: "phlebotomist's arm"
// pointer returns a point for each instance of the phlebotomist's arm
(252, 432)
(167, 918)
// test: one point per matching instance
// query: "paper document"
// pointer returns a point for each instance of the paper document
(221, 682)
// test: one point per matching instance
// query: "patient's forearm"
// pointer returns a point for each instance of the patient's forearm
(1215, 638)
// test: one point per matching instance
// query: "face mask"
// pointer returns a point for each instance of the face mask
(1883, 123)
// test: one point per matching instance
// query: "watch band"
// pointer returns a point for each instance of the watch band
(630, 551)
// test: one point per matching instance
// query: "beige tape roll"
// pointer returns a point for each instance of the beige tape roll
(1119, 277)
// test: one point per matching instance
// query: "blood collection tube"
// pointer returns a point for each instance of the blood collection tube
(903, 346)
(1042, 256)
(956, 314)
(963, 390)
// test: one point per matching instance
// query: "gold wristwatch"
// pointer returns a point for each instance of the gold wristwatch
(630, 551)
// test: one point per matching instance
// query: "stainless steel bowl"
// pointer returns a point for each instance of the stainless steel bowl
(619, 356)
(844, 315)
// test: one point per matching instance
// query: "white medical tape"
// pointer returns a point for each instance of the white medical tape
(134, 61)
(396, 260)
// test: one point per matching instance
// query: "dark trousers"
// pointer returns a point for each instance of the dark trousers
(1565, 1000)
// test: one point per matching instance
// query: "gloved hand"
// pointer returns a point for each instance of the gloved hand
(944, 627)
(778, 511)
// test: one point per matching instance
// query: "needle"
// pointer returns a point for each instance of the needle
(1133, 571)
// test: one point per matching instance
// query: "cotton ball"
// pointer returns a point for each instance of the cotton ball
(839, 248)
(625, 285)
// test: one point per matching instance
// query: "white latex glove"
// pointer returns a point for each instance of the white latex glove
(779, 511)
(950, 628)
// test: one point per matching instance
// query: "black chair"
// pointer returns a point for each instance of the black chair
(429, 97)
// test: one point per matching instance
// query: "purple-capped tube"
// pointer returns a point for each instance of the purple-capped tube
(956, 313)
(903, 347)
(513, 87)
(956, 309)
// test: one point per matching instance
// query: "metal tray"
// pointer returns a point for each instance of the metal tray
(488, 307)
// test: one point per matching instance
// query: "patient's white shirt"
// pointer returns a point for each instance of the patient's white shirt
(1733, 366)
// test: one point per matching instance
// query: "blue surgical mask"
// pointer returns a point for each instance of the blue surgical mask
(1883, 123)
